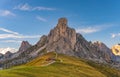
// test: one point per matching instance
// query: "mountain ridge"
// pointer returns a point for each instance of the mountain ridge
(64, 40)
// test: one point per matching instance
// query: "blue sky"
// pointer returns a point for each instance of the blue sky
(30, 19)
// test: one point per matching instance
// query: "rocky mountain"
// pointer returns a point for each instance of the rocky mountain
(64, 40)
(105, 51)
(8, 54)
(1, 55)
(24, 46)
(10, 59)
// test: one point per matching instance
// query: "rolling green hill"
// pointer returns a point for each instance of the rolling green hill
(58, 65)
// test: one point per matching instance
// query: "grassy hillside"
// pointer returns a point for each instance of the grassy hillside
(54, 65)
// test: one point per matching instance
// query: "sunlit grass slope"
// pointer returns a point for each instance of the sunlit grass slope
(54, 65)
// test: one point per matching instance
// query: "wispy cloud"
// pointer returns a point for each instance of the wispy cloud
(114, 35)
(41, 19)
(19, 36)
(88, 30)
(8, 31)
(23, 7)
(27, 7)
(6, 13)
(15, 35)
(43, 8)
(11, 41)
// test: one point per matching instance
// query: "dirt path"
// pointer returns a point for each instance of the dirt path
(49, 63)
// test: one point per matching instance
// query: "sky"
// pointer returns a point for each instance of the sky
(96, 20)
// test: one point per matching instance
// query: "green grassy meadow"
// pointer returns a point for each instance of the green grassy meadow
(54, 65)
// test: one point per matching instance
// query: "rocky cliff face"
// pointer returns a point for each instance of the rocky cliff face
(42, 41)
(21, 56)
(93, 51)
(8, 54)
(83, 48)
(104, 51)
(1, 55)
(61, 39)
(24, 45)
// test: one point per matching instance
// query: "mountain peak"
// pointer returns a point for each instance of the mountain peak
(24, 45)
(62, 25)
(65, 40)
(62, 38)
(8, 54)
(62, 21)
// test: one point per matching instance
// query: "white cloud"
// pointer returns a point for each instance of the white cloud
(115, 35)
(11, 41)
(27, 7)
(6, 13)
(43, 8)
(41, 18)
(15, 35)
(19, 36)
(88, 30)
(8, 31)
(4, 50)
(24, 7)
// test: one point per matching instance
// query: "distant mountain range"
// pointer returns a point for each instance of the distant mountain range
(63, 40)
(115, 49)
(4, 50)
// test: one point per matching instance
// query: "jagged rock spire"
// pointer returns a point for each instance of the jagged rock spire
(62, 38)
(24, 45)
(62, 21)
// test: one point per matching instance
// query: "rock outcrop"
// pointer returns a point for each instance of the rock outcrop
(42, 41)
(24, 46)
(83, 48)
(1, 55)
(61, 39)
(105, 52)
(19, 57)
(8, 54)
